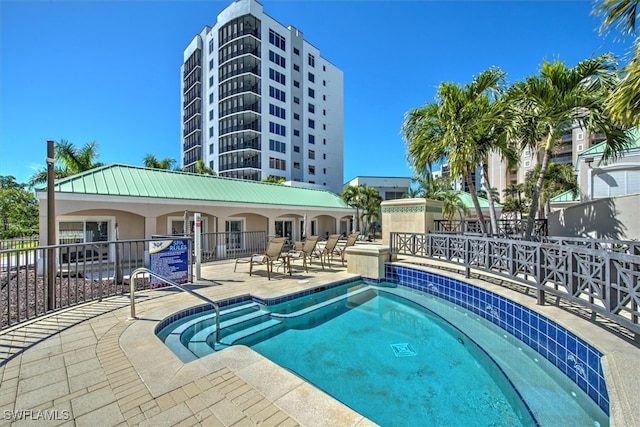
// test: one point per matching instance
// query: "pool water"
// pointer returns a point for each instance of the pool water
(388, 353)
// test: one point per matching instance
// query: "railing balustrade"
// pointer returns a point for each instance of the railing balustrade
(601, 280)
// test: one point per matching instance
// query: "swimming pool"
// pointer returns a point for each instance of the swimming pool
(410, 367)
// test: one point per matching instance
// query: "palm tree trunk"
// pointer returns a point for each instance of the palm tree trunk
(492, 206)
(535, 197)
(476, 203)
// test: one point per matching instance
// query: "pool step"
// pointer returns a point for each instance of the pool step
(255, 329)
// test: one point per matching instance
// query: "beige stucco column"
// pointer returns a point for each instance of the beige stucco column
(150, 226)
(409, 216)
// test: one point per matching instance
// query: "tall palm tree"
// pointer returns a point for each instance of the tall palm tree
(71, 160)
(463, 126)
(558, 98)
(151, 161)
(624, 101)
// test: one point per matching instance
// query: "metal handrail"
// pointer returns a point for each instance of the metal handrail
(137, 271)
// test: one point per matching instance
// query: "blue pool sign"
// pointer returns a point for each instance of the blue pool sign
(170, 259)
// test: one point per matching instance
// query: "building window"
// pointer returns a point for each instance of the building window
(312, 124)
(312, 154)
(211, 46)
(296, 83)
(324, 97)
(210, 114)
(296, 67)
(324, 126)
(312, 60)
(580, 136)
(211, 131)
(324, 112)
(277, 59)
(277, 76)
(296, 116)
(277, 40)
(527, 163)
(312, 77)
(277, 163)
(210, 98)
(312, 170)
(312, 108)
(211, 64)
(324, 171)
(211, 146)
(324, 83)
(312, 139)
(324, 68)
(278, 94)
(278, 129)
(324, 156)
(312, 93)
(274, 110)
(278, 146)
(296, 51)
(296, 100)
(211, 164)
(211, 81)
(296, 165)
(324, 141)
(296, 132)
(296, 148)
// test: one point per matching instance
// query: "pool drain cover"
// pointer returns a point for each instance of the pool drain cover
(403, 349)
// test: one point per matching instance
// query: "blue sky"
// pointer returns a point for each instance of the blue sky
(109, 71)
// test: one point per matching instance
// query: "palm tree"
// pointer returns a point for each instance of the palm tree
(201, 169)
(371, 200)
(558, 98)
(151, 161)
(463, 126)
(72, 160)
(512, 190)
(560, 178)
(624, 101)
(352, 196)
(451, 205)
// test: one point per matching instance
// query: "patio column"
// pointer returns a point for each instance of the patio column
(150, 227)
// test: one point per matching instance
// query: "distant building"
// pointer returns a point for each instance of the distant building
(573, 142)
(257, 99)
(388, 187)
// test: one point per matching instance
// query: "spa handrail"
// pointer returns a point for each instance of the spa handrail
(137, 271)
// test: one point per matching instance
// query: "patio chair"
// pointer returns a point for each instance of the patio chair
(329, 248)
(340, 250)
(271, 255)
(308, 251)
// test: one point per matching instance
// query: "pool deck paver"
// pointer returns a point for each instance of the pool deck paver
(91, 366)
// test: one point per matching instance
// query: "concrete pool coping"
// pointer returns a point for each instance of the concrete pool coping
(105, 370)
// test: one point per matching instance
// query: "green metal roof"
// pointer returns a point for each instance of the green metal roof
(134, 181)
(567, 196)
(634, 133)
(468, 201)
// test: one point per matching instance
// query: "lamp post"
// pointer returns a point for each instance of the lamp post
(51, 226)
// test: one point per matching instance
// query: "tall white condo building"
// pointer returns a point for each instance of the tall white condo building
(258, 100)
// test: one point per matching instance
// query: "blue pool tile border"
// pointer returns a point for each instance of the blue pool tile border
(575, 358)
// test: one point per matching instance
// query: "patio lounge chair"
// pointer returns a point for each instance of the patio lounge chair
(340, 250)
(329, 248)
(308, 251)
(271, 255)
